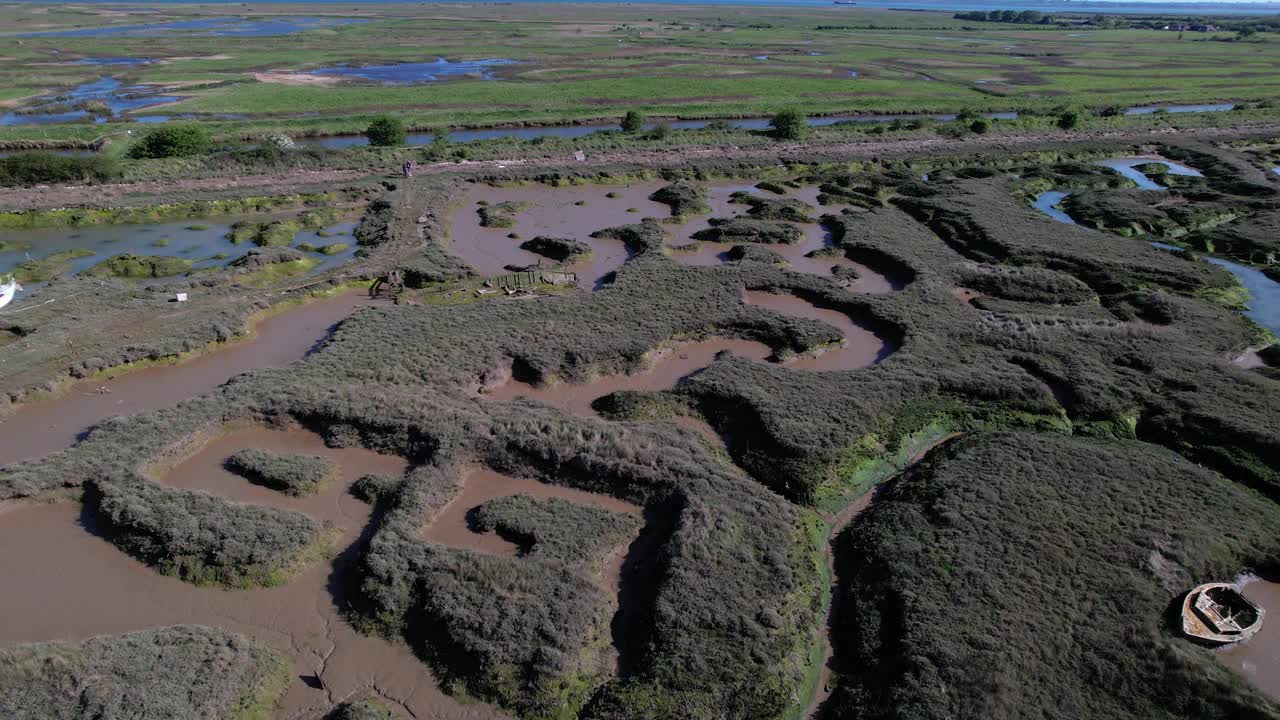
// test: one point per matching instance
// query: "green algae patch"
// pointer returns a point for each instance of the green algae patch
(501, 215)
(50, 267)
(135, 267)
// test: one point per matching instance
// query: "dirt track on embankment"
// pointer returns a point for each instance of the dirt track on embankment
(279, 183)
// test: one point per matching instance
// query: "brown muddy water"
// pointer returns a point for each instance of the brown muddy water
(39, 428)
(862, 347)
(74, 585)
(553, 213)
(801, 256)
(1258, 658)
(669, 367)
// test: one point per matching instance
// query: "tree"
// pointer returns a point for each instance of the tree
(789, 124)
(172, 141)
(633, 122)
(385, 131)
(1070, 119)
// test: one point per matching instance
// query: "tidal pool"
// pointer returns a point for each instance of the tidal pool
(107, 92)
(77, 585)
(39, 428)
(1128, 168)
(1258, 658)
(421, 72)
(196, 240)
(552, 212)
(805, 256)
(670, 366)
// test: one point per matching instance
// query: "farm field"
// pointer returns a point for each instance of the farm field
(584, 63)
(310, 411)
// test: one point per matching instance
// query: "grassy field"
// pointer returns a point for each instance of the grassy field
(595, 62)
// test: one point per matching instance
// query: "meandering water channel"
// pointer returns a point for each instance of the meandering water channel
(39, 428)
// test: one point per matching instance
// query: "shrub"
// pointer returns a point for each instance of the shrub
(172, 141)
(295, 475)
(385, 131)
(661, 131)
(1070, 119)
(981, 126)
(278, 140)
(789, 124)
(38, 168)
(632, 122)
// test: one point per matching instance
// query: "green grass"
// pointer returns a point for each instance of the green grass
(578, 63)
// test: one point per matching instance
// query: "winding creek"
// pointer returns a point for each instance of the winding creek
(1263, 306)
(39, 428)
(76, 584)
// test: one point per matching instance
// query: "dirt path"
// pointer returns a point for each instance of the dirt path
(46, 196)
(106, 195)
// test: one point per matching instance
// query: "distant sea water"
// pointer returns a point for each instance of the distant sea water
(1183, 8)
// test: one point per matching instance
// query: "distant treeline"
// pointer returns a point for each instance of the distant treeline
(1247, 25)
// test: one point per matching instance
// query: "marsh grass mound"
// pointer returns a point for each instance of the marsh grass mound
(262, 257)
(275, 233)
(562, 250)
(786, 209)
(1016, 575)
(184, 671)
(292, 474)
(556, 529)
(685, 198)
(375, 487)
(204, 539)
(749, 230)
(139, 267)
(501, 215)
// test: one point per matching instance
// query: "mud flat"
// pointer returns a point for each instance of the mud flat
(39, 428)
(552, 212)
(452, 525)
(670, 367)
(77, 585)
(1258, 658)
(862, 347)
